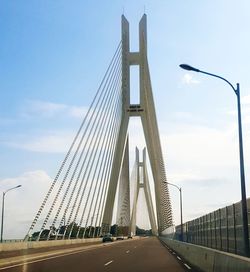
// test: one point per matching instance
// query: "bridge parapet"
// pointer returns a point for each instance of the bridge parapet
(208, 259)
(221, 229)
(43, 244)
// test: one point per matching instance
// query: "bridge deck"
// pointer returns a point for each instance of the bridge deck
(146, 254)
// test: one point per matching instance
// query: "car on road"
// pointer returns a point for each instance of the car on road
(107, 238)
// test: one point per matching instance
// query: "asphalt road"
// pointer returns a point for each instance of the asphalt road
(141, 255)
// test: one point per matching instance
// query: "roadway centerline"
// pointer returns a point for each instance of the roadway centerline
(108, 263)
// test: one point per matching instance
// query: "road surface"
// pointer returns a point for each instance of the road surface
(137, 255)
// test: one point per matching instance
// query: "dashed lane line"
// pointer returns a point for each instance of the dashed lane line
(40, 258)
(106, 264)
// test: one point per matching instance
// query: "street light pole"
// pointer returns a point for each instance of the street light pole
(242, 171)
(179, 188)
(2, 217)
(4, 193)
(181, 214)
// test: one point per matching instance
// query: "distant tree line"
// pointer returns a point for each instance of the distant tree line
(89, 232)
(116, 230)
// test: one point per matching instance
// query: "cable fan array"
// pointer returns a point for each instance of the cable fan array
(74, 204)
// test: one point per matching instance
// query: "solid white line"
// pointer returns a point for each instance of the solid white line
(108, 263)
(41, 260)
(178, 258)
(188, 267)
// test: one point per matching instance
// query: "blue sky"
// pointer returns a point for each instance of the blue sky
(53, 55)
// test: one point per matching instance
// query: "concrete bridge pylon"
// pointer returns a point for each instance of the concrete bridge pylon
(146, 111)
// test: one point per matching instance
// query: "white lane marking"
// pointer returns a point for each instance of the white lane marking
(108, 263)
(37, 261)
(187, 266)
(178, 258)
(127, 251)
(44, 259)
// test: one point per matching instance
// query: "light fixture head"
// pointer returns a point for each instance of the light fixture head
(189, 68)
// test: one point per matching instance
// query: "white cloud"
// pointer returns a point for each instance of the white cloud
(189, 79)
(22, 203)
(78, 112)
(201, 159)
(246, 120)
(245, 111)
(184, 115)
(52, 142)
(204, 161)
(48, 109)
(232, 112)
(245, 100)
(47, 141)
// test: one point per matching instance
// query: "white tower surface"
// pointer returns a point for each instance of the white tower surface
(123, 210)
(146, 111)
(142, 182)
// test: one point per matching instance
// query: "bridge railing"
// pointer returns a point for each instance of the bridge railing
(12, 240)
(220, 229)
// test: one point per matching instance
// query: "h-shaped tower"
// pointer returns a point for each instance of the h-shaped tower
(142, 182)
(84, 188)
(146, 111)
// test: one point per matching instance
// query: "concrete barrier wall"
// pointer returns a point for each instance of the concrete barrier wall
(42, 244)
(207, 259)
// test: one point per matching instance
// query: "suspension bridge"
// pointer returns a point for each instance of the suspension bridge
(80, 203)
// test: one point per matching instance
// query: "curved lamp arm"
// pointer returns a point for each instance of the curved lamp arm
(179, 188)
(190, 68)
(12, 189)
